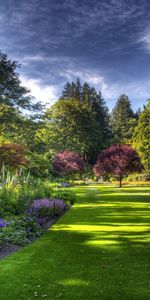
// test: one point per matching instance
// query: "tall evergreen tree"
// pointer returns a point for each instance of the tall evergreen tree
(121, 120)
(72, 90)
(70, 124)
(141, 138)
(86, 94)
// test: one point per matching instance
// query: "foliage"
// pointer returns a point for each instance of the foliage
(47, 208)
(72, 125)
(68, 162)
(86, 94)
(118, 160)
(12, 93)
(2, 223)
(123, 120)
(17, 193)
(68, 196)
(12, 155)
(20, 230)
(40, 165)
(141, 138)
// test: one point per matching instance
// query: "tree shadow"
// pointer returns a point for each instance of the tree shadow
(98, 250)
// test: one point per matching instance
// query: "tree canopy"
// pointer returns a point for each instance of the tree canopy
(123, 120)
(70, 124)
(12, 93)
(118, 160)
(68, 162)
(88, 95)
(12, 155)
(141, 138)
(79, 121)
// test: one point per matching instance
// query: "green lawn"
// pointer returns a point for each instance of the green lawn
(99, 250)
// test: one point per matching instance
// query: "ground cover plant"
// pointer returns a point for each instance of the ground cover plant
(98, 250)
(27, 206)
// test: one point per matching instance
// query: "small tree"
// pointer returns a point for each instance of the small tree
(12, 155)
(118, 160)
(68, 162)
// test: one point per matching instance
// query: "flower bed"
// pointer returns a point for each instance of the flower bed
(21, 230)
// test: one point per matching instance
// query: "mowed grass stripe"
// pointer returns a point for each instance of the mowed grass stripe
(98, 250)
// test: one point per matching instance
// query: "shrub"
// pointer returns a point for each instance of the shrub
(46, 208)
(68, 196)
(19, 231)
(15, 198)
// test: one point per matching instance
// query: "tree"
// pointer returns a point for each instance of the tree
(15, 126)
(70, 124)
(68, 162)
(12, 93)
(88, 95)
(12, 155)
(141, 138)
(72, 90)
(118, 160)
(122, 120)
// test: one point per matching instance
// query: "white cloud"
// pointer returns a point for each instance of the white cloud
(46, 94)
(135, 90)
(145, 41)
(92, 77)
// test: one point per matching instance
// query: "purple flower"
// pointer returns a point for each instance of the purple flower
(2, 223)
(44, 209)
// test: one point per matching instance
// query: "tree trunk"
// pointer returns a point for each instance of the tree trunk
(120, 181)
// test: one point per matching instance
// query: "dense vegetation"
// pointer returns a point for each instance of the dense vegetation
(66, 141)
(79, 121)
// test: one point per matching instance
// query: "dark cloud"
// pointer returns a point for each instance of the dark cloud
(106, 42)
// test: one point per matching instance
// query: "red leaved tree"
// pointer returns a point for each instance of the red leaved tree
(118, 160)
(68, 162)
(12, 155)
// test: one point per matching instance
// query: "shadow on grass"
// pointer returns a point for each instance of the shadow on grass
(98, 250)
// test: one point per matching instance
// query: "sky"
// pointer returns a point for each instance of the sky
(103, 42)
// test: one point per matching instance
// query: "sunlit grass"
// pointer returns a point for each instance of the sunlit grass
(100, 249)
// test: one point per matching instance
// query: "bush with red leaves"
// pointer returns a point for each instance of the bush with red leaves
(118, 160)
(68, 162)
(12, 155)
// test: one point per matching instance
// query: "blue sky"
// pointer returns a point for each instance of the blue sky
(106, 43)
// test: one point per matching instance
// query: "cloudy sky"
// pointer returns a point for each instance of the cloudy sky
(104, 42)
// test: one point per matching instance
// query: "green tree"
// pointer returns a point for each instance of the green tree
(12, 93)
(88, 95)
(72, 90)
(141, 138)
(71, 124)
(15, 126)
(123, 120)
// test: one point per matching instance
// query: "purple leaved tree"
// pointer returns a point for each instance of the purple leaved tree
(119, 161)
(68, 162)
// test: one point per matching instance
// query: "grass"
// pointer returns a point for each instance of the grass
(99, 250)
